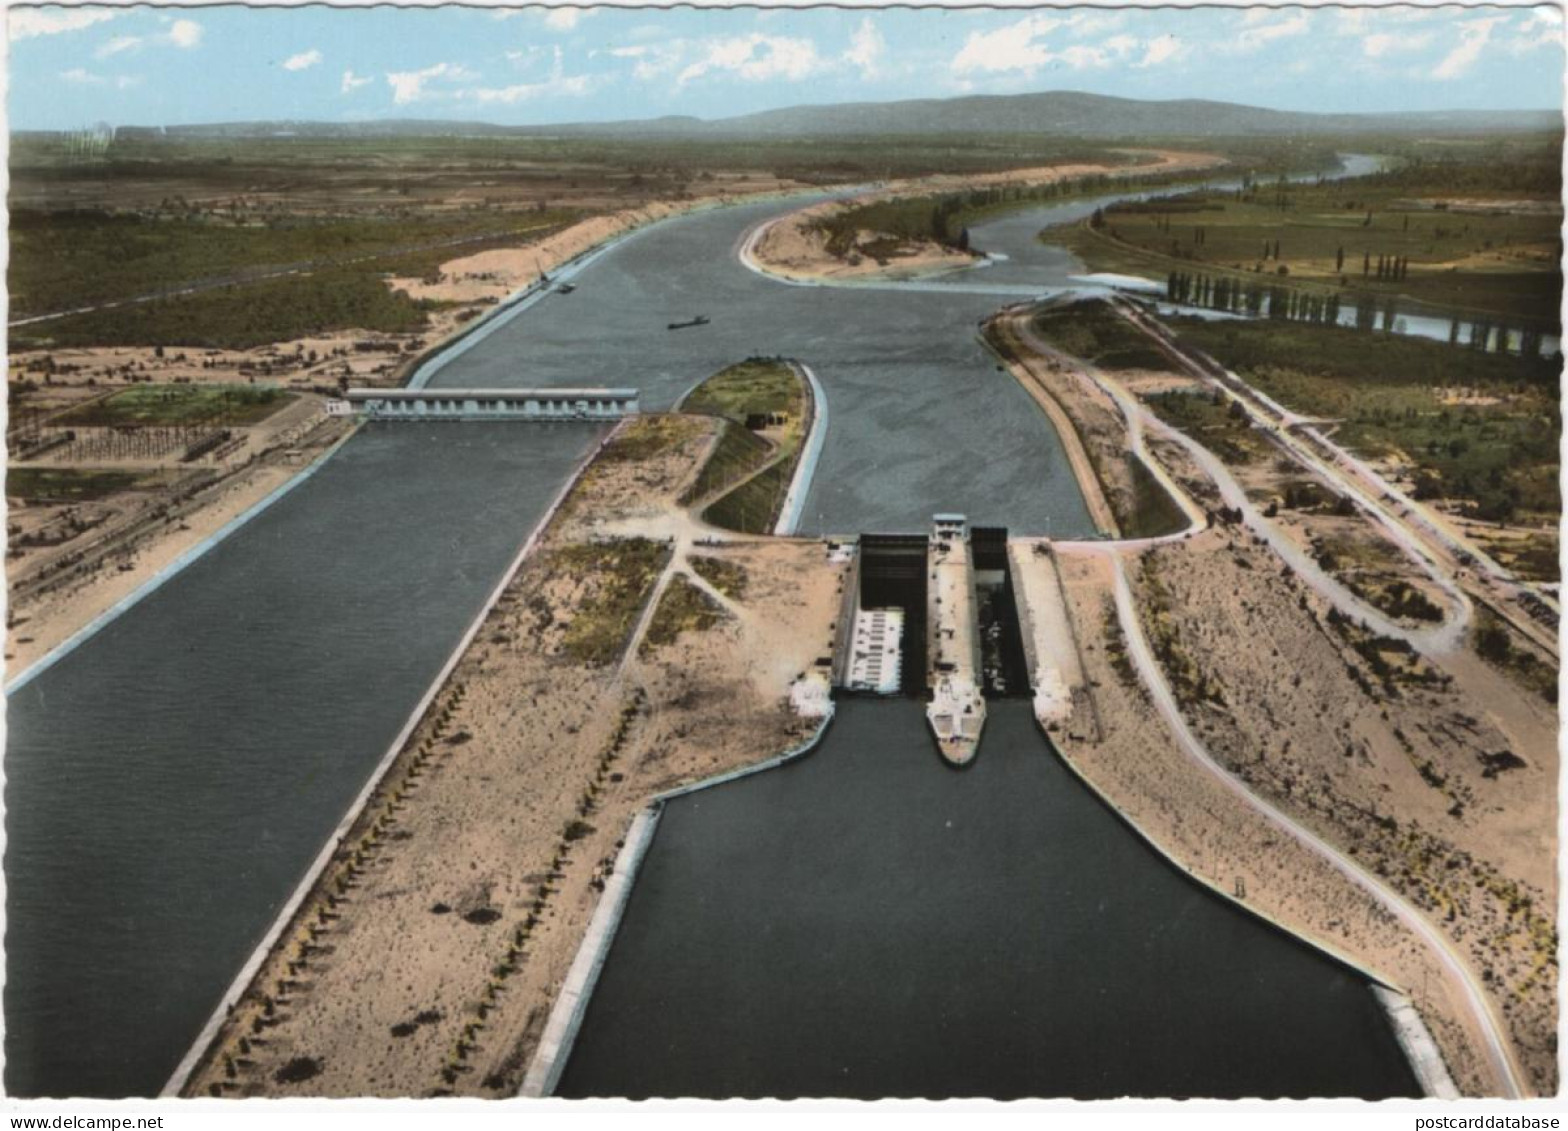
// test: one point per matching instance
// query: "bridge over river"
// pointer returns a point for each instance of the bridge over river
(170, 778)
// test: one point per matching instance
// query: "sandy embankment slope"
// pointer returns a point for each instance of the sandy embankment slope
(1399, 776)
(792, 247)
(480, 858)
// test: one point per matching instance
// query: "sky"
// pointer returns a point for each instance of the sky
(75, 66)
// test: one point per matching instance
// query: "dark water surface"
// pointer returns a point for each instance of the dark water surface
(922, 418)
(868, 922)
(169, 782)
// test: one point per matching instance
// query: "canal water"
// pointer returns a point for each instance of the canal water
(168, 783)
(867, 922)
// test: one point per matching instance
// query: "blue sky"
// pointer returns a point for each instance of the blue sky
(72, 66)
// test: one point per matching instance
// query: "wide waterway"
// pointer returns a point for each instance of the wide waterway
(868, 922)
(170, 780)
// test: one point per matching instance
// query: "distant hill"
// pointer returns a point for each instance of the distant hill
(1058, 113)
(1094, 115)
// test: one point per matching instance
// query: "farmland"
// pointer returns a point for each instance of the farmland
(1471, 238)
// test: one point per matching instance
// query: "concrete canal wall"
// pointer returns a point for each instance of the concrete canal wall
(810, 454)
(1419, 1047)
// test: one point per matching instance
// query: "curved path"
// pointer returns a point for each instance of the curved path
(1498, 1051)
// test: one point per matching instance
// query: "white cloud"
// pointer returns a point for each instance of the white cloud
(118, 44)
(1543, 27)
(1162, 50)
(1086, 25)
(866, 48)
(1384, 43)
(756, 57)
(82, 77)
(1022, 47)
(302, 61)
(352, 82)
(1120, 46)
(185, 33)
(563, 19)
(25, 23)
(409, 86)
(528, 56)
(1017, 47)
(1473, 38)
(1258, 32)
(554, 87)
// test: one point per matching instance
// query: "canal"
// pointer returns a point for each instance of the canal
(868, 922)
(170, 781)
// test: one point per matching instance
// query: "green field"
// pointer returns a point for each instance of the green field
(65, 485)
(1095, 333)
(1221, 427)
(174, 405)
(65, 260)
(753, 507)
(756, 385)
(1499, 451)
(1467, 237)
(240, 317)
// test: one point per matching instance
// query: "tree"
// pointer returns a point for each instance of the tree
(1339, 261)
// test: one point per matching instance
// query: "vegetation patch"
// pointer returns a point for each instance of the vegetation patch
(1478, 428)
(1394, 663)
(616, 578)
(1094, 332)
(1191, 684)
(65, 485)
(755, 386)
(1479, 233)
(1153, 513)
(728, 577)
(240, 317)
(1497, 644)
(738, 452)
(646, 438)
(683, 608)
(765, 408)
(65, 259)
(1219, 424)
(753, 507)
(174, 405)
